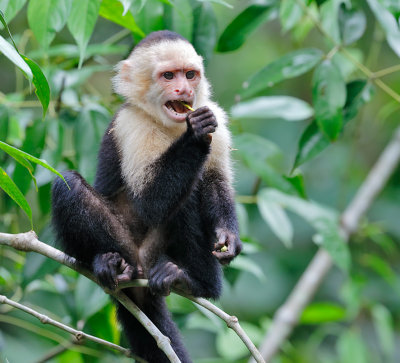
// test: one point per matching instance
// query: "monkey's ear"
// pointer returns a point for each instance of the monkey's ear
(125, 70)
(123, 78)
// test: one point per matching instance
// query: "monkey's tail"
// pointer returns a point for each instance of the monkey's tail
(141, 342)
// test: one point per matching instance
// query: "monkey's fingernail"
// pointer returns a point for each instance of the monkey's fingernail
(187, 106)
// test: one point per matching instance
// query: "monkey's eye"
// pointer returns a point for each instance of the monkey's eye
(168, 75)
(190, 74)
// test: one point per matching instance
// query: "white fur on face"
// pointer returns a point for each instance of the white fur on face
(142, 130)
(136, 76)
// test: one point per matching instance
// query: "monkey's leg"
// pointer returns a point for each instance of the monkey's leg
(90, 231)
(142, 343)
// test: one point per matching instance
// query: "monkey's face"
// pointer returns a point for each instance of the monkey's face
(157, 78)
(179, 87)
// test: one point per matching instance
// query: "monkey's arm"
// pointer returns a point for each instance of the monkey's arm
(108, 176)
(219, 207)
(174, 174)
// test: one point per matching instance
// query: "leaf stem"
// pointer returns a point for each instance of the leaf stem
(371, 75)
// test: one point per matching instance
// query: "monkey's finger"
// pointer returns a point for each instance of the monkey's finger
(218, 245)
(201, 110)
(124, 277)
(197, 119)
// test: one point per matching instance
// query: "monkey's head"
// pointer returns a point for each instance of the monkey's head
(162, 71)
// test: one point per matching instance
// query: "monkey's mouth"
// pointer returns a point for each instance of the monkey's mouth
(176, 110)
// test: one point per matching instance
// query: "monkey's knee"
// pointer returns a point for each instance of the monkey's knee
(73, 181)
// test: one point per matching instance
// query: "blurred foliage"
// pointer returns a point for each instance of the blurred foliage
(312, 87)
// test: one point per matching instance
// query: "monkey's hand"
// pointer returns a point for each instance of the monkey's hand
(110, 269)
(166, 275)
(201, 123)
(227, 247)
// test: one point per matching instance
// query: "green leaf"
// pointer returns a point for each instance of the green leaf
(244, 263)
(14, 152)
(9, 51)
(10, 8)
(115, 12)
(311, 143)
(329, 97)
(388, 23)
(89, 130)
(179, 304)
(46, 18)
(352, 348)
(322, 312)
(275, 216)
(4, 121)
(264, 158)
(179, 18)
(297, 180)
(243, 219)
(81, 22)
(290, 13)
(358, 93)
(384, 327)
(229, 345)
(330, 18)
(221, 2)
(330, 239)
(236, 33)
(42, 87)
(25, 163)
(352, 25)
(273, 107)
(12, 190)
(381, 267)
(127, 4)
(33, 145)
(204, 30)
(288, 66)
(322, 219)
(4, 23)
(150, 18)
(89, 297)
(72, 51)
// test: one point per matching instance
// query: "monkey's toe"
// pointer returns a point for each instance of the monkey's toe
(110, 268)
(166, 276)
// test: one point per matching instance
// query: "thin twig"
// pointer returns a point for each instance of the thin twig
(230, 320)
(79, 335)
(371, 75)
(57, 350)
(288, 315)
(386, 71)
(29, 242)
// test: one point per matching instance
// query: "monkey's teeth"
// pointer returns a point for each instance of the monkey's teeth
(176, 107)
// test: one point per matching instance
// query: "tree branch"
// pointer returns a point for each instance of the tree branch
(78, 335)
(288, 315)
(231, 321)
(28, 242)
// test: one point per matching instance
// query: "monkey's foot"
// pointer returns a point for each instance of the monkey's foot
(110, 269)
(165, 276)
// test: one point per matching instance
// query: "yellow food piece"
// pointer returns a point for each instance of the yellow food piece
(187, 106)
(224, 249)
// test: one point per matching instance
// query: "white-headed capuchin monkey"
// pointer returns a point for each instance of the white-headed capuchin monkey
(162, 204)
